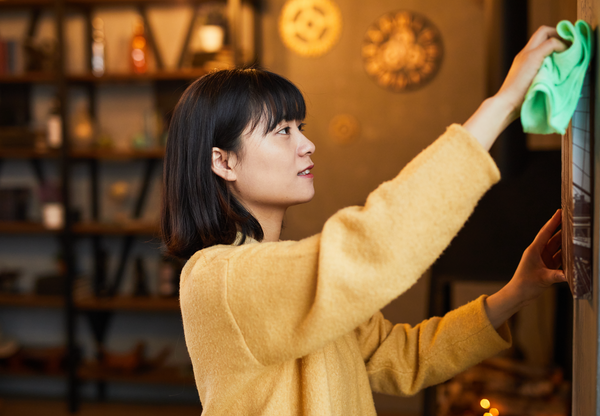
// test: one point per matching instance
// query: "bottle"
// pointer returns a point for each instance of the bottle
(54, 126)
(139, 55)
(82, 127)
(98, 47)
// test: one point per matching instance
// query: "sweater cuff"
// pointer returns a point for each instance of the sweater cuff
(459, 133)
(493, 339)
(478, 339)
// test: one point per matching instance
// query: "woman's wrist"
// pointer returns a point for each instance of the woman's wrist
(490, 119)
(503, 304)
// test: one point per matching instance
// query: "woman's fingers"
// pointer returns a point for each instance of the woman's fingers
(557, 259)
(547, 231)
(552, 260)
(557, 276)
(526, 65)
(552, 247)
(555, 242)
(540, 36)
(549, 46)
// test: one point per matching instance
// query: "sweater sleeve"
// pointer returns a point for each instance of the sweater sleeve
(401, 360)
(291, 298)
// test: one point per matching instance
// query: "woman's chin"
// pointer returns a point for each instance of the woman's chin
(303, 200)
(309, 197)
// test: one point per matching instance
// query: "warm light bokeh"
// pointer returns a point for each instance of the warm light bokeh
(485, 403)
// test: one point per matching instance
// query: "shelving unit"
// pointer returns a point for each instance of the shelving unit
(84, 228)
(27, 78)
(100, 308)
(31, 301)
(118, 303)
(129, 303)
(106, 154)
(24, 227)
(163, 375)
(47, 78)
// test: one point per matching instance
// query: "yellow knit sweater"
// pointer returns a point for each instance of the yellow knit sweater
(294, 328)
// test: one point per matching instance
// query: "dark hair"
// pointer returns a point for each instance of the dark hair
(198, 211)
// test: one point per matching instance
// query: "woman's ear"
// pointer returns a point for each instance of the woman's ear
(222, 163)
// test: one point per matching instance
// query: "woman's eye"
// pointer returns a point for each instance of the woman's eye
(285, 130)
(301, 126)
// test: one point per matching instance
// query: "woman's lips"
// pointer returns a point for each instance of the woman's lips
(306, 172)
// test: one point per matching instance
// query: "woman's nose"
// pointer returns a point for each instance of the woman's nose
(306, 146)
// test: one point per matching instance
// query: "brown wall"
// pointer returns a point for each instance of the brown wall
(395, 127)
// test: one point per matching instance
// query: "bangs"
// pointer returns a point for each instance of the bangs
(275, 99)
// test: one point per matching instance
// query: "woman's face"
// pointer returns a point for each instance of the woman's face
(272, 171)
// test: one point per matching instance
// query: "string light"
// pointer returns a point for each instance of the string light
(494, 411)
(487, 414)
(485, 403)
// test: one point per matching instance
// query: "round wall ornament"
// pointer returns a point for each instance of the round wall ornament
(310, 27)
(344, 129)
(402, 51)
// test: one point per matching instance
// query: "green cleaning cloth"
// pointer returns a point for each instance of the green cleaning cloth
(552, 97)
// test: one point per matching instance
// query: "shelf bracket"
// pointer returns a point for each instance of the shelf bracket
(139, 205)
(188, 36)
(36, 164)
(151, 39)
(127, 244)
(99, 322)
(33, 23)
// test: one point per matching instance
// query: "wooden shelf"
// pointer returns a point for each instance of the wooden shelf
(24, 153)
(31, 301)
(25, 3)
(129, 303)
(132, 2)
(84, 228)
(48, 3)
(117, 78)
(112, 154)
(161, 375)
(26, 372)
(27, 77)
(55, 407)
(103, 154)
(24, 227)
(122, 303)
(133, 228)
(162, 75)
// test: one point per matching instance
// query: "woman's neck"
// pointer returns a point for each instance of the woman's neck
(271, 221)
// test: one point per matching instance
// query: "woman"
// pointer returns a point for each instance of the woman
(293, 327)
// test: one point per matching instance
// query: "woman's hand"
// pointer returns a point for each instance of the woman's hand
(497, 112)
(537, 270)
(526, 65)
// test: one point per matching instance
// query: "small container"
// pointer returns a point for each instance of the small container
(139, 49)
(54, 126)
(53, 214)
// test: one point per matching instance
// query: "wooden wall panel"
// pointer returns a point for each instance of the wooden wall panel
(585, 319)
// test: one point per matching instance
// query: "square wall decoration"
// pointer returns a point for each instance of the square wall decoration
(577, 194)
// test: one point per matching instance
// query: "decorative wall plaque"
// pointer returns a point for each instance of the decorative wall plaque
(344, 128)
(310, 27)
(402, 51)
(578, 195)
